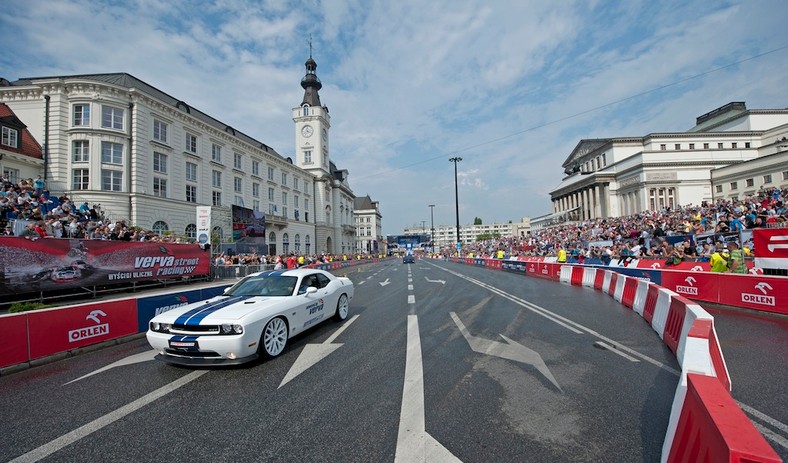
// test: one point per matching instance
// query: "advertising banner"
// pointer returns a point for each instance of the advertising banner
(693, 285)
(59, 330)
(52, 264)
(248, 230)
(149, 307)
(756, 292)
(771, 247)
(204, 225)
(13, 332)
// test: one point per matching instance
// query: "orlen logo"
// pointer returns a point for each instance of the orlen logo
(690, 290)
(696, 268)
(655, 265)
(99, 329)
(762, 299)
(777, 242)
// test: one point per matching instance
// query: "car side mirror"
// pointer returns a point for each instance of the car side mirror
(311, 290)
(226, 289)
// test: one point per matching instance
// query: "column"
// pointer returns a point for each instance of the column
(597, 205)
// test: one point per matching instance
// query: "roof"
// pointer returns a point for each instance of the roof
(362, 203)
(29, 146)
(128, 81)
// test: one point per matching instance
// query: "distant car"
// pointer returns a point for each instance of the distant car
(408, 259)
(254, 318)
(65, 274)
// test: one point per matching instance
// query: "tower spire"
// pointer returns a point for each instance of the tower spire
(310, 83)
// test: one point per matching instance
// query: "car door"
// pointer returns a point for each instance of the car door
(312, 307)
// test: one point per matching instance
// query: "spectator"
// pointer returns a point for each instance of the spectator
(737, 259)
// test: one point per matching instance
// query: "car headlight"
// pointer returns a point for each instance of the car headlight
(160, 327)
(232, 329)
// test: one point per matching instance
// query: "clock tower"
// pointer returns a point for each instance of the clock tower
(312, 123)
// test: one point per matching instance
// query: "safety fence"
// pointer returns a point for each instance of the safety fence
(706, 423)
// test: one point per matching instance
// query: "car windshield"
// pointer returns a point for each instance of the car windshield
(264, 285)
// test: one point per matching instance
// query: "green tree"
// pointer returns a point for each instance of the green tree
(477, 221)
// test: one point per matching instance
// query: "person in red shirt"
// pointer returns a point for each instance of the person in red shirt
(292, 262)
(41, 229)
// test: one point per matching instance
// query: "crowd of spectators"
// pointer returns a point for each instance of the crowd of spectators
(40, 215)
(681, 233)
(286, 261)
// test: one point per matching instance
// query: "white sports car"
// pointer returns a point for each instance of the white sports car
(253, 318)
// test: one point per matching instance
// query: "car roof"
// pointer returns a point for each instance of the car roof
(294, 272)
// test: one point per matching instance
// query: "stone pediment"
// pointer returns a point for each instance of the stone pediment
(584, 147)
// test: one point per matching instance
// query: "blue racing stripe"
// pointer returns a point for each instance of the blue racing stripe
(194, 317)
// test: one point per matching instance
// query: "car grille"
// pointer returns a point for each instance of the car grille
(192, 354)
(199, 330)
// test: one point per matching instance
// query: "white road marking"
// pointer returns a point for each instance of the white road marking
(130, 360)
(410, 287)
(313, 353)
(411, 299)
(414, 444)
(613, 349)
(101, 422)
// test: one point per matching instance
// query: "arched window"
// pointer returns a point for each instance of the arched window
(159, 227)
(305, 110)
(286, 243)
(191, 232)
(272, 244)
(328, 214)
(298, 243)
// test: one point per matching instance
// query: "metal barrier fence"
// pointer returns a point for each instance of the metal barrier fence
(227, 272)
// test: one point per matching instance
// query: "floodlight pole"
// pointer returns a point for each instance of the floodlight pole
(455, 160)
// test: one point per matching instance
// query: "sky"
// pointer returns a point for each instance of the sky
(511, 87)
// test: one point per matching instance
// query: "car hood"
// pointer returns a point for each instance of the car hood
(222, 308)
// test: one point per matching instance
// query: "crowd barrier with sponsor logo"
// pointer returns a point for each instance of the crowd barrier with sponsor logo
(28, 336)
(706, 424)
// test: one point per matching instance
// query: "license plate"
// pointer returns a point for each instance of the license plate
(183, 344)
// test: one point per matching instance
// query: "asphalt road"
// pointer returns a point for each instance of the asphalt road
(438, 362)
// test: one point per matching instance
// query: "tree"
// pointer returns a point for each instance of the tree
(477, 221)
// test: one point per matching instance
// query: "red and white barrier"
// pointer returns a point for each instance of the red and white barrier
(589, 276)
(641, 295)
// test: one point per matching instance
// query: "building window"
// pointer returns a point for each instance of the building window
(81, 115)
(305, 110)
(256, 190)
(10, 137)
(719, 146)
(159, 162)
(216, 153)
(216, 198)
(284, 198)
(663, 146)
(111, 153)
(734, 185)
(750, 182)
(239, 201)
(705, 146)
(308, 157)
(111, 180)
(284, 211)
(191, 171)
(256, 168)
(237, 184)
(111, 118)
(191, 232)
(785, 175)
(270, 194)
(159, 227)
(238, 161)
(719, 188)
(191, 143)
(80, 151)
(692, 146)
(159, 187)
(767, 178)
(734, 145)
(661, 198)
(159, 131)
(216, 179)
(284, 178)
(79, 179)
(746, 144)
(295, 200)
(256, 205)
(295, 183)
(270, 173)
(677, 146)
(191, 193)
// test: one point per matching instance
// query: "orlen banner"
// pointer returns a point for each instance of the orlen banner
(50, 264)
(771, 247)
(59, 330)
(755, 292)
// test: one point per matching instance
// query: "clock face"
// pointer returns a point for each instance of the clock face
(307, 131)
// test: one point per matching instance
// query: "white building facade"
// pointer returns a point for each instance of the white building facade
(622, 176)
(150, 159)
(446, 235)
(369, 226)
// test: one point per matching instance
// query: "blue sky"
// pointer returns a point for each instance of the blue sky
(510, 86)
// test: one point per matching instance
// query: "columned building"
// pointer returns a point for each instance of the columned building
(615, 177)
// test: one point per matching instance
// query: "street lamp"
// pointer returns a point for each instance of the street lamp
(432, 227)
(455, 160)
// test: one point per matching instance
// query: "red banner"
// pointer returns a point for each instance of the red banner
(693, 285)
(771, 247)
(13, 333)
(60, 330)
(51, 264)
(756, 292)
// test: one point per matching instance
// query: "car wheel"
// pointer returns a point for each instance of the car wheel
(274, 337)
(342, 308)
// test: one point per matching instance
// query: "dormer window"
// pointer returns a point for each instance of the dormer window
(10, 137)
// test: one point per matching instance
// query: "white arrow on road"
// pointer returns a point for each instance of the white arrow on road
(130, 360)
(413, 441)
(510, 350)
(384, 283)
(314, 353)
(443, 282)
